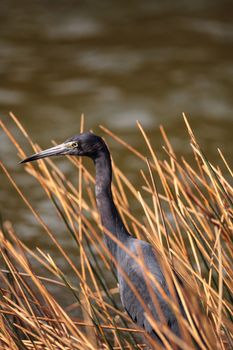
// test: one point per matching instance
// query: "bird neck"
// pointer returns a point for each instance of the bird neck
(110, 216)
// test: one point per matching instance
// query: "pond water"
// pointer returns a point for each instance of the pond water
(116, 62)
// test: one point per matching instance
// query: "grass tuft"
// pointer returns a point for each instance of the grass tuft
(186, 214)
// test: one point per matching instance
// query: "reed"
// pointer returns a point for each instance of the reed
(186, 214)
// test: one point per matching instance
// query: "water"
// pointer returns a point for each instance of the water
(117, 62)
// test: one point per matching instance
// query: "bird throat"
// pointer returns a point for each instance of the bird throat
(109, 214)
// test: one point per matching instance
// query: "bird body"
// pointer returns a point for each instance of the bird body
(139, 295)
(146, 288)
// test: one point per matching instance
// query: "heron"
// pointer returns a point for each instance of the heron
(90, 145)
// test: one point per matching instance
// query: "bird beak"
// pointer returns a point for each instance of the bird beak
(62, 149)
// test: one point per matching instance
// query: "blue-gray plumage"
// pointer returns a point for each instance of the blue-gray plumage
(90, 145)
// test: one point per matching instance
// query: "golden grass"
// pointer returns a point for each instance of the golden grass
(187, 217)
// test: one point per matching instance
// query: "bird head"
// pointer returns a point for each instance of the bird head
(85, 144)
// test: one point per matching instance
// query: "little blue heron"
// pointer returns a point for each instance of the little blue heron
(93, 146)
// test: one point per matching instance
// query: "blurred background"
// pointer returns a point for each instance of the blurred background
(116, 62)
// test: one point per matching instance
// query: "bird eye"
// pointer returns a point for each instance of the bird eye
(75, 144)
